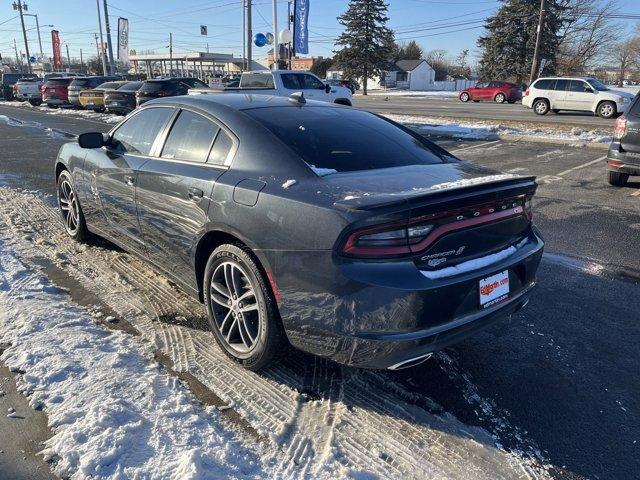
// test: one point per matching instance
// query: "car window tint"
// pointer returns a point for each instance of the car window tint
(493, 84)
(545, 84)
(344, 139)
(136, 135)
(561, 85)
(290, 81)
(221, 148)
(132, 86)
(190, 138)
(310, 82)
(577, 86)
(257, 80)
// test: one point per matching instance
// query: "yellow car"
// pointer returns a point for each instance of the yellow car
(94, 99)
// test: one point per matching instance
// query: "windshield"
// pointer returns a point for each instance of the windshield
(597, 84)
(344, 140)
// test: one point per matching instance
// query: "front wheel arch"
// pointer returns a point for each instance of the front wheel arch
(343, 101)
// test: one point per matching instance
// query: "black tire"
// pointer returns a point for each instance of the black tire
(35, 103)
(555, 110)
(617, 179)
(511, 101)
(476, 101)
(541, 106)
(465, 97)
(70, 209)
(606, 110)
(226, 310)
(500, 98)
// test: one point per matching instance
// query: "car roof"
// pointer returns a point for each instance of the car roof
(564, 78)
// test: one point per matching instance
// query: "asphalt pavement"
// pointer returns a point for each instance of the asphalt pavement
(436, 107)
(565, 369)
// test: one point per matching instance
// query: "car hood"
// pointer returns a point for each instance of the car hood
(618, 93)
(377, 188)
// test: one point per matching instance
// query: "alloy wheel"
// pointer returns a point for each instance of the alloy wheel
(69, 207)
(541, 107)
(464, 97)
(500, 98)
(235, 307)
(606, 110)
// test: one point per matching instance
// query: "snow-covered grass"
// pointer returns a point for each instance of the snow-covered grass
(114, 413)
(413, 93)
(479, 130)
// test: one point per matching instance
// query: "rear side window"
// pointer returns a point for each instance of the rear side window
(257, 80)
(221, 148)
(344, 139)
(190, 138)
(561, 85)
(544, 84)
(136, 135)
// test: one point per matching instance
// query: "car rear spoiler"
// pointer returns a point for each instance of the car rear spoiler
(496, 185)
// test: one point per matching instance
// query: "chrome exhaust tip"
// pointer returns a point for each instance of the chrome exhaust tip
(411, 362)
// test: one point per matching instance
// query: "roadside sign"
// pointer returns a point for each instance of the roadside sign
(203, 30)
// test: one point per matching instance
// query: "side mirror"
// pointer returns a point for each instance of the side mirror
(91, 140)
(327, 88)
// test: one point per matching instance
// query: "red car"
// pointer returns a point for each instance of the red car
(55, 91)
(498, 92)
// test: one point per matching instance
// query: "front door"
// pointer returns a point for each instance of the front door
(174, 190)
(579, 95)
(114, 172)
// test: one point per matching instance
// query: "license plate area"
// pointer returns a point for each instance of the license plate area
(494, 289)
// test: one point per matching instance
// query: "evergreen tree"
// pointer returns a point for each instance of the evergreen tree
(367, 43)
(410, 51)
(507, 48)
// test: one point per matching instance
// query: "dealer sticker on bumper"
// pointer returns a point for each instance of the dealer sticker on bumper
(494, 289)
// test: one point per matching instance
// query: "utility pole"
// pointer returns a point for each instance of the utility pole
(112, 65)
(249, 34)
(101, 52)
(289, 28)
(18, 62)
(39, 39)
(276, 42)
(81, 63)
(244, 36)
(170, 52)
(534, 63)
(68, 57)
(18, 6)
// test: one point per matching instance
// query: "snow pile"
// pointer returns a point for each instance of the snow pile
(321, 172)
(289, 183)
(103, 117)
(415, 93)
(467, 182)
(487, 130)
(113, 411)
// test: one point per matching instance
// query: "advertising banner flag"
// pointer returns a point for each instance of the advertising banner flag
(57, 55)
(123, 40)
(300, 26)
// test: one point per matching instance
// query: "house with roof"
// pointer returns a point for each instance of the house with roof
(403, 74)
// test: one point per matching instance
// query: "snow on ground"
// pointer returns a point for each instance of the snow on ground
(480, 130)
(104, 117)
(412, 93)
(113, 411)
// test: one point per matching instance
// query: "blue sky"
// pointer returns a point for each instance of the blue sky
(452, 25)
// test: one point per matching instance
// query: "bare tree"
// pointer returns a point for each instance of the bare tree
(627, 55)
(587, 35)
(438, 61)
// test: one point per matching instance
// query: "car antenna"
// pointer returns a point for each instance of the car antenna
(298, 97)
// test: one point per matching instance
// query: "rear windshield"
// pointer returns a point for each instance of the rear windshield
(154, 86)
(58, 82)
(9, 78)
(257, 80)
(80, 82)
(344, 140)
(109, 85)
(132, 86)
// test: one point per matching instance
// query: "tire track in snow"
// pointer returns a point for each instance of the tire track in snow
(324, 419)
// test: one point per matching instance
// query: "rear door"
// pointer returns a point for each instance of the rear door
(558, 96)
(630, 141)
(174, 189)
(114, 173)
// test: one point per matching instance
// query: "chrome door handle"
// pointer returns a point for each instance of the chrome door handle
(195, 194)
(129, 180)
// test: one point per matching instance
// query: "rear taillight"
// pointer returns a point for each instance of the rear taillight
(416, 234)
(620, 127)
(526, 92)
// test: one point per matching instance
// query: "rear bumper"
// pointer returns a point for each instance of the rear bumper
(630, 162)
(119, 106)
(55, 101)
(74, 100)
(28, 96)
(378, 315)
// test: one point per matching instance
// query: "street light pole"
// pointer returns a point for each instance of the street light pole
(18, 6)
(534, 63)
(112, 65)
(39, 38)
(276, 42)
(102, 56)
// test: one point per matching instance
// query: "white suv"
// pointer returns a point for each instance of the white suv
(579, 94)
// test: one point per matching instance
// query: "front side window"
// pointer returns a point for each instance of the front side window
(578, 86)
(136, 135)
(190, 138)
(481, 85)
(343, 139)
(290, 81)
(310, 82)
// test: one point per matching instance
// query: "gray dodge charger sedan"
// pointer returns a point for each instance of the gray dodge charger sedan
(299, 223)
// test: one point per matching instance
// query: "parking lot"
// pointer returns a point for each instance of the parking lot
(553, 394)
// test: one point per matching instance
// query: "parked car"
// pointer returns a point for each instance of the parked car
(55, 91)
(93, 99)
(493, 91)
(122, 100)
(297, 222)
(86, 83)
(9, 80)
(623, 157)
(350, 84)
(576, 94)
(283, 83)
(29, 90)
(166, 87)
